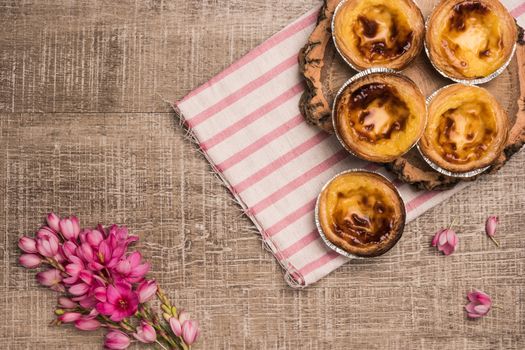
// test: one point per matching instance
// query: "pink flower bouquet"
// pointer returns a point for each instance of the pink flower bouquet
(103, 284)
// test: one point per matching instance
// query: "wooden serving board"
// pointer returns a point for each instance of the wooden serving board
(325, 71)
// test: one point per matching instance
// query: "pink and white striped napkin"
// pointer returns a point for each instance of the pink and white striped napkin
(247, 122)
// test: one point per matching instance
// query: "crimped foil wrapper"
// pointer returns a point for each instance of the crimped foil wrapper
(436, 167)
(345, 85)
(320, 228)
(474, 81)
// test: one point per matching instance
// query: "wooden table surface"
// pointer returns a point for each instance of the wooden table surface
(84, 130)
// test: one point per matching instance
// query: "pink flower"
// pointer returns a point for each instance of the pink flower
(190, 331)
(51, 278)
(480, 304)
(66, 303)
(74, 269)
(30, 261)
(79, 289)
(116, 340)
(121, 302)
(87, 324)
(131, 269)
(85, 252)
(53, 221)
(175, 326)
(146, 290)
(69, 227)
(145, 333)
(446, 241)
(69, 249)
(45, 231)
(27, 244)
(69, 317)
(94, 238)
(490, 228)
(47, 245)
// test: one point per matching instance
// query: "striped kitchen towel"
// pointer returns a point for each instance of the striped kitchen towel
(248, 125)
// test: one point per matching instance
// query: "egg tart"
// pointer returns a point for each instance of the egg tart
(360, 213)
(466, 132)
(378, 33)
(470, 40)
(379, 115)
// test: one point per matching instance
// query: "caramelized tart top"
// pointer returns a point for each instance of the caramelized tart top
(467, 129)
(470, 39)
(380, 116)
(361, 213)
(378, 33)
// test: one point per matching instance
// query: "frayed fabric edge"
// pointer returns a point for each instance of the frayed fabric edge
(292, 275)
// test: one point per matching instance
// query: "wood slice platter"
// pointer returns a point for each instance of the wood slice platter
(325, 72)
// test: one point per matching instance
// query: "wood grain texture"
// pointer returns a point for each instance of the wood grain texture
(84, 129)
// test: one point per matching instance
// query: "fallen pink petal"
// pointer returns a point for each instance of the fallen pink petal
(490, 228)
(479, 305)
(445, 240)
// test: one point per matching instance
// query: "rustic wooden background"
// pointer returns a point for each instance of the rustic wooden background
(84, 129)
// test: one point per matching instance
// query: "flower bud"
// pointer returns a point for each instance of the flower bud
(47, 246)
(146, 290)
(30, 261)
(116, 340)
(50, 278)
(53, 220)
(175, 326)
(190, 331)
(69, 227)
(69, 317)
(87, 324)
(145, 333)
(67, 303)
(27, 244)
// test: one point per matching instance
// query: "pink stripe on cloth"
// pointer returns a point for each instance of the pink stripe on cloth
(257, 144)
(243, 91)
(295, 152)
(286, 221)
(249, 126)
(250, 118)
(298, 181)
(300, 244)
(518, 11)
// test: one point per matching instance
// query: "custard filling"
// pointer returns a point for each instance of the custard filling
(378, 118)
(465, 132)
(380, 33)
(361, 211)
(472, 40)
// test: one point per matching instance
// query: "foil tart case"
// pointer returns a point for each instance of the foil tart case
(353, 79)
(340, 52)
(436, 167)
(474, 81)
(331, 245)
